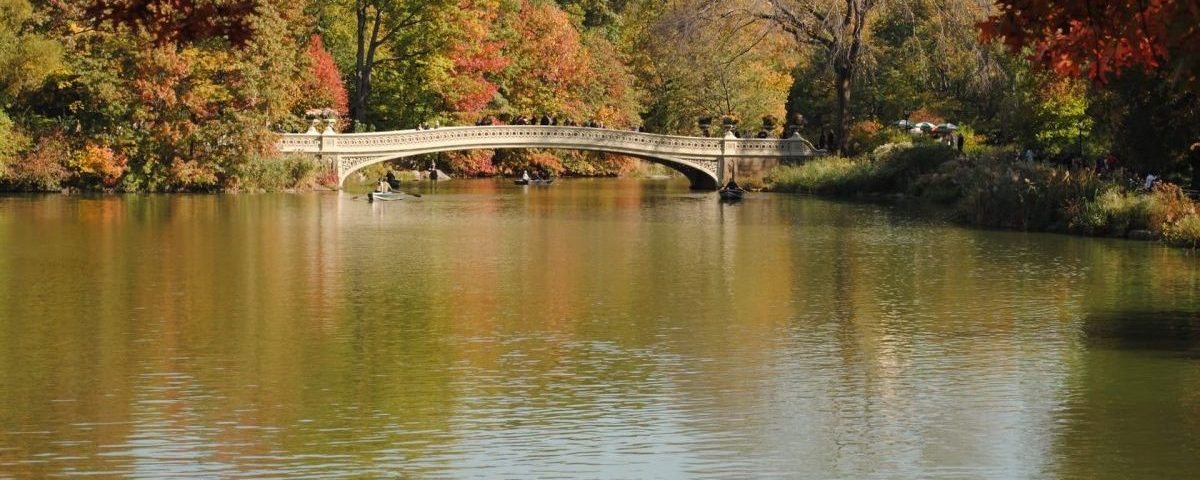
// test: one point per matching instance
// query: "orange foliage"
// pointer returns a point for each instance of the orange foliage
(192, 175)
(545, 161)
(97, 163)
(926, 115)
(550, 66)
(475, 55)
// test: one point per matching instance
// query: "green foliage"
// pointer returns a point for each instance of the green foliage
(1185, 232)
(827, 175)
(276, 173)
(12, 141)
(26, 57)
(890, 169)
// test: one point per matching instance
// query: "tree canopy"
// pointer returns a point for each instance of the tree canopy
(186, 94)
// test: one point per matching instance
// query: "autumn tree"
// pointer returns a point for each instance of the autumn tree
(27, 58)
(695, 66)
(475, 55)
(836, 29)
(1098, 40)
(323, 86)
(1144, 55)
(179, 21)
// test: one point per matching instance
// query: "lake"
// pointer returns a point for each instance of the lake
(606, 328)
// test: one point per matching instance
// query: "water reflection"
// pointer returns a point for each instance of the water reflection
(598, 328)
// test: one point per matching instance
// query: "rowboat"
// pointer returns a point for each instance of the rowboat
(533, 181)
(384, 196)
(734, 193)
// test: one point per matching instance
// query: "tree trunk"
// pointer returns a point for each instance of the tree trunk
(364, 62)
(1194, 156)
(842, 83)
(358, 101)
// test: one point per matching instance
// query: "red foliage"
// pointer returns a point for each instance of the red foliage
(183, 21)
(43, 168)
(1098, 40)
(471, 162)
(475, 55)
(324, 81)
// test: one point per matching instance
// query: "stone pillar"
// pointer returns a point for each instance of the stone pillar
(721, 162)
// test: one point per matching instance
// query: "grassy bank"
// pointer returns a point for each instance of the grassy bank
(991, 189)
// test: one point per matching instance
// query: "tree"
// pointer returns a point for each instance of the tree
(836, 29)
(26, 59)
(1144, 54)
(1098, 40)
(391, 33)
(180, 21)
(475, 55)
(698, 66)
(323, 83)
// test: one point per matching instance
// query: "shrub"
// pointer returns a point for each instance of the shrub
(190, 175)
(1168, 204)
(900, 167)
(12, 142)
(95, 165)
(273, 174)
(834, 175)
(1114, 212)
(865, 136)
(42, 168)
(1185, 232)
(1024, 195)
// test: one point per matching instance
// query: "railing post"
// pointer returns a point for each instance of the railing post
(721, 160)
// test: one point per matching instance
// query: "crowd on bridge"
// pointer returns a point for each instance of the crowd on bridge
(547, 120)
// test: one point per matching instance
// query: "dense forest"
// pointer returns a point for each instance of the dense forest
(188, 95)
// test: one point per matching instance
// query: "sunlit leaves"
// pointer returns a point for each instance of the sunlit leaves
(1098, 40)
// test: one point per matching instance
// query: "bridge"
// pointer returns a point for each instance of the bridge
(706, 162)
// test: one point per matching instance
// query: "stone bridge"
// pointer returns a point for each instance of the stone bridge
(705, 161)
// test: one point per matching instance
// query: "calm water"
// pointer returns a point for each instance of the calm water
(593, 329)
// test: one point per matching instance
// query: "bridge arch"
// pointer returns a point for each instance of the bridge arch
(697, 175)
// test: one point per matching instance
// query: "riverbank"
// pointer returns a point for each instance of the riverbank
(990, 189)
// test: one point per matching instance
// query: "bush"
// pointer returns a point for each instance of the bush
(833, 175)
(274, 174)
(42, 168)
(1024, 195)
(1185, 232)
(190, 175)
(95, 166)
(899, 167)
(1114, 212)
(12, 142)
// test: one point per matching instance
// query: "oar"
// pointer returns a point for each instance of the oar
(413, 194)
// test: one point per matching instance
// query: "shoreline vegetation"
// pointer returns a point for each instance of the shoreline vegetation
(991, 188)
